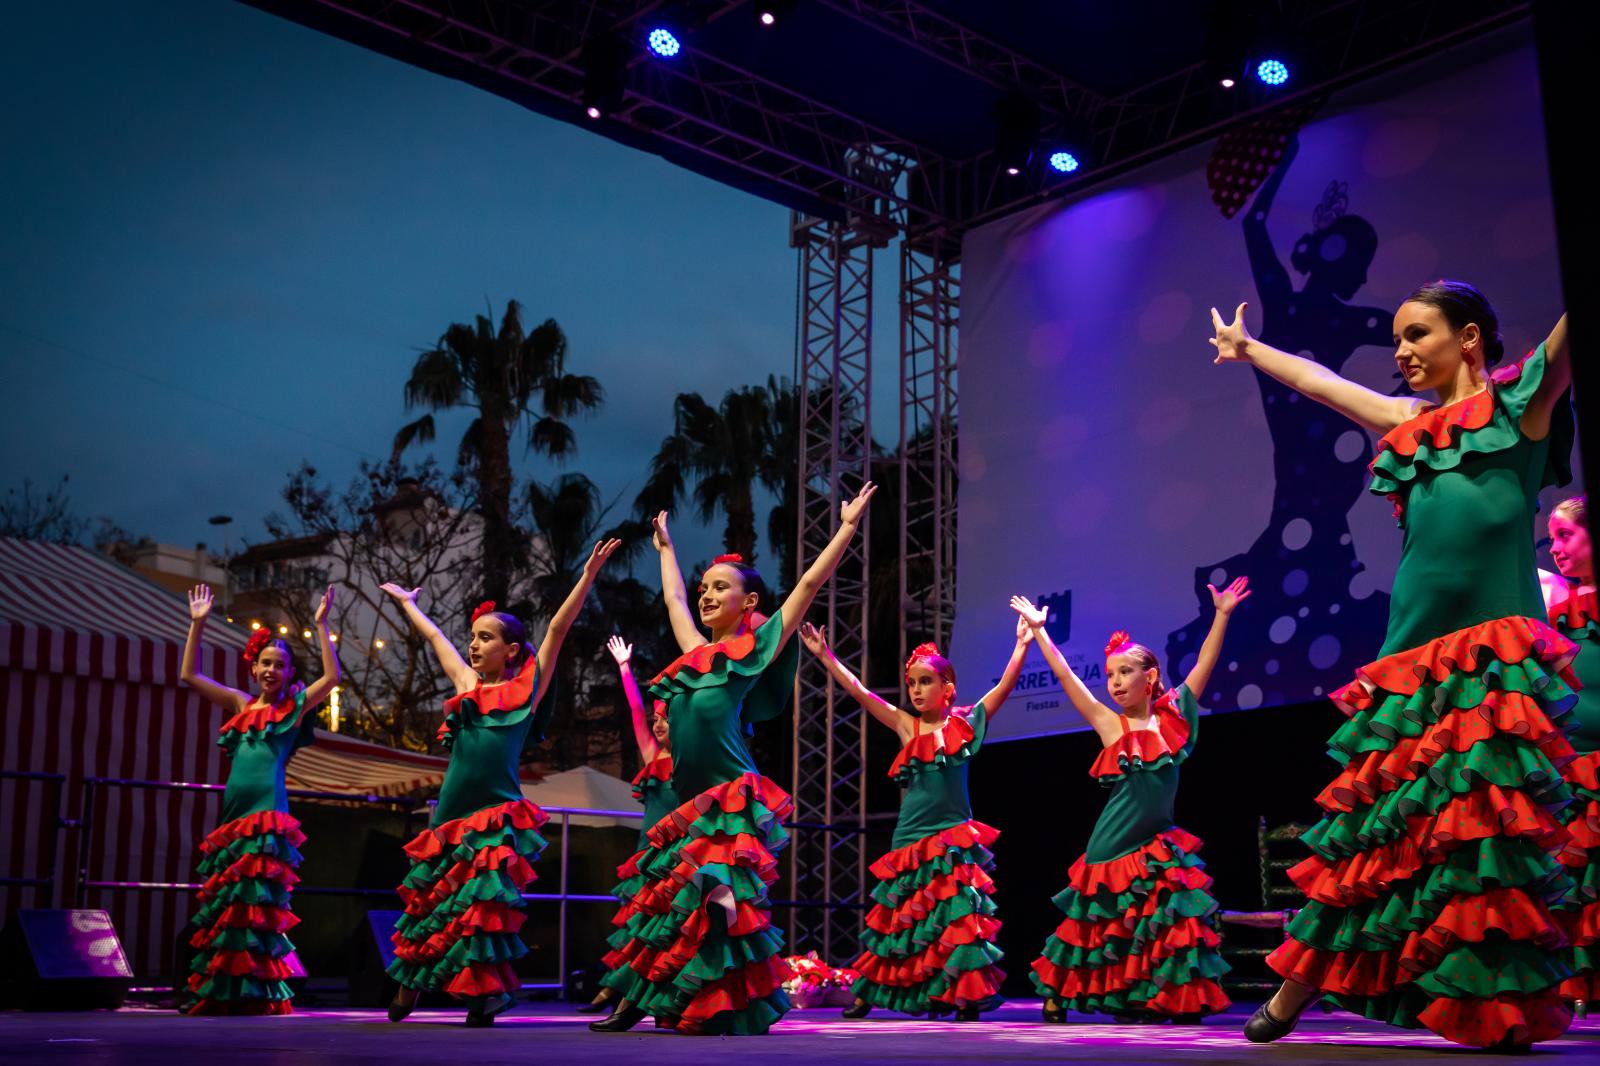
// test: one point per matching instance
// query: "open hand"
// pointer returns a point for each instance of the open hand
(1230, 597)
(1024, 632)
(199, 602)
(851, 513)
(401, 594)
(620, 649)
(1232, 341)
(603, 550)
(815, 639)
(1031, 615)
(658, 533)
(321, 617)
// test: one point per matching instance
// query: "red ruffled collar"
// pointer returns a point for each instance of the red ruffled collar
(1136, 747)
(254, 718)
(928, 748)
(657, 769)
(1576, 611)
(505, 696)
(700, 660)
(1441, 427)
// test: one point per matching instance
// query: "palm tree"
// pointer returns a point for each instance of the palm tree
(509, 376)
(749, 439)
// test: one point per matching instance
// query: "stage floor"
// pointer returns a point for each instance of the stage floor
(552, 1034)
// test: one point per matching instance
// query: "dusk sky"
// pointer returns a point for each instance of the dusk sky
(226, 237)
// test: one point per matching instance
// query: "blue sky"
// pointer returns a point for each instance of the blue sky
(223, 239)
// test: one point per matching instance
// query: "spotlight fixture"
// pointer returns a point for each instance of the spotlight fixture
(663, 42)
(1272, 71)
(605, 73)
(1063, 162)
(1227, 83)
(771, 12)
(1016, 129)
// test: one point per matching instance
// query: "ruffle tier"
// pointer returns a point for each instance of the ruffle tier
(1578, 911)
(930, 938)
(1138, 934)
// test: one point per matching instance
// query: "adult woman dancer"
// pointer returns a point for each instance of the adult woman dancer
(653, 785)
(1432, 866)
(930, 940)
(1575, 614)
(250, 859)
(1139, 940)
(716, 967)
(463, 895)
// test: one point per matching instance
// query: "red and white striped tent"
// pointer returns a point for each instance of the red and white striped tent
(360, 767)
(89, 659)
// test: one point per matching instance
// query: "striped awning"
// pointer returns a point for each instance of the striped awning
(344, 764)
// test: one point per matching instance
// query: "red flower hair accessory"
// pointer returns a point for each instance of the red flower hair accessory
(486, 607)
(1119, 639)
(925, 650)
(731, 557)
(258, 641)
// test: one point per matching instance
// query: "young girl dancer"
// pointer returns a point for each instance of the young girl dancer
(1434, 860)
(463, 896)
(716, 965)
(250, 858)
(653, 785)
(1575, 614)
(1139, 940)
(930, 941)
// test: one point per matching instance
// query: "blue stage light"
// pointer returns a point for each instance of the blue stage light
(1064, 162)
(1272, 71)
(663, 43)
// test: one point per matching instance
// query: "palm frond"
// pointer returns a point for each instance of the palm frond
(418, 432)
(436, 381)
(552, 437)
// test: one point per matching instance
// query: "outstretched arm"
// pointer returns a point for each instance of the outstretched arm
(215, 691)
(821, 570)
(684, 629)
(462, 676)
(998, 695)
(1102, 718)
(1557, 379)
(1271, 279)
(1211, 650)
(816, 641)
(1358, 403)
(567, 613)
(622, 652)
(318, 690)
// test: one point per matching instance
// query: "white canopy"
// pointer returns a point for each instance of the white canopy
(585, 787)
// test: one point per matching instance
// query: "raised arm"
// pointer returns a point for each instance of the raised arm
(189, 671)
(816, 641)
(821, 569)
(622, 652)
(462, 676)
(1102, 718)
(1311, 379)
(318, 690)
(684, 629)
(995, 697)
(1272, 281)
(1557, 380)
(1224, 602)
(567, 613)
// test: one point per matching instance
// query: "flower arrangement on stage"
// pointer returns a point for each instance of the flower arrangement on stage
(816, 984)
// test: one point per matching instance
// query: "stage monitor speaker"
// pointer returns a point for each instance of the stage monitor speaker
(371, 952)
(63, 960)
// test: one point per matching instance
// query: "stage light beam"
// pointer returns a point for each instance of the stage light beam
(1272, 72)
(663, 42)
(1063, 162)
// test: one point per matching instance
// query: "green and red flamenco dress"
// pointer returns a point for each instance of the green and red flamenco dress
(703, 957)
(929, 945)
(1434, 866)
(248, 867)
(630, 960)
(1139, 935)
(1578, 913)
(463, 895)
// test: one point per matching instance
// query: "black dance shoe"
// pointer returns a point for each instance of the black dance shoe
(398, 1010)
(620, 1020)
(1264, 1028)
(1055, 1015)
(859, 1009)
(482, 1019)
(599, 1006)
(970, 1013)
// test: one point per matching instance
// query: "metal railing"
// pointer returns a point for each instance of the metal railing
(562, 898)
(44, 887)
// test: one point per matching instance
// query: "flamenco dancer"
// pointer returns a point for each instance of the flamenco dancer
(1434, 864)
(250, 859)
(463, 895)
(653, 785)
(1139, 940)
(1575, 614)
(707, 958)
(930, 941)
